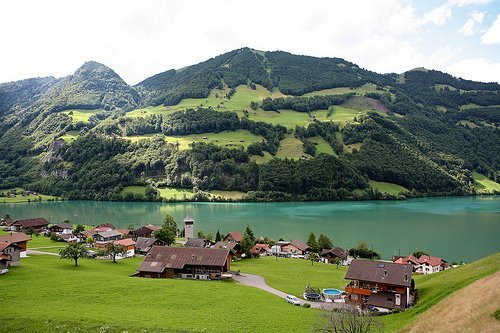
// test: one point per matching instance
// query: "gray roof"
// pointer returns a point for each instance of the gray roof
(109, 233)
(197, 242)
(336, 251)
(188, 218)
(380, 272)
(161, 257)
(144, 244)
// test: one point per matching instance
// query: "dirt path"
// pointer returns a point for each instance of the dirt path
(467, 310)
(258, 281)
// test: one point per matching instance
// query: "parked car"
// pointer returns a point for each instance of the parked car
(292, 300)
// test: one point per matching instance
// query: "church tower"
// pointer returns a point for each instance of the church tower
(188, 227)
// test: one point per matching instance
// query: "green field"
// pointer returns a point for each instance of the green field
(21, 199)
(366, 88)
(390, 188)
(291, 147)
(175, 193)
(292, 275)
(70, 136)
(181, 193)
(483, 183)
(322, 146)
(228, 139)
(262, 159)
(51, 295)
(79, 115)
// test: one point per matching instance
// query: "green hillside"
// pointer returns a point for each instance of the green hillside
(220, 125)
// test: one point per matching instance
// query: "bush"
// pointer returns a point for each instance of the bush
(306, 305)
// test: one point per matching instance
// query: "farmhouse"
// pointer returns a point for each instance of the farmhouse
(129, 244)
(185, 262)
(105, 237)
(103, 227)
(144, 244)
(37, 224)
(335, 255)
(235, 248)
(199, 242)
(261, 249)
(423, 265)
(145, 231)
(61, 228)
(384, 286)
(233, 237)
(13, 247)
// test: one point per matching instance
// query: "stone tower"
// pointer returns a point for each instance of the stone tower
(188, 227)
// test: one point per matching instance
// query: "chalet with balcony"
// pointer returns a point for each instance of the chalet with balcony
(380, 285)
(103, 238)
(337, 255)
(235, 248)
(61, 229)
(185, 262)
(38, 224)
(261, 249)
(18, 239)
(424, 264)
(144, 231)
(129, 244)
(233, 237)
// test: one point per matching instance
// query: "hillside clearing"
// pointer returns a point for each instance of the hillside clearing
(79, 115)
(262, 159)
(390, 188)
(366, 88)
(19, 198)
(291, 147)
(481, 182)
(470, 307)
(322, 146)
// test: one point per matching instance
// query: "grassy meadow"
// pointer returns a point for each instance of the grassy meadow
(182, 193)
(390, 188)
(482, 183)
(52, 295)
(23, 198)
(79, 115)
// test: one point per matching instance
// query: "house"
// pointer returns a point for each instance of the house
(233, 237)
(235, 248)
(6, 222)
(18, 239)
(9, 256)
(185, 262)
(430, 265)
(103, 227)
(261, 249)
(335, 255)
(296, 247)
(125, 232)
(380, 285)
(144, 244)
(61, 228)
(69, 238)
(37, 224)
(199, 242)
(409, 260)
(4, 263)
(129, 244)
(86, 234)
(145, 231)
(103, 238)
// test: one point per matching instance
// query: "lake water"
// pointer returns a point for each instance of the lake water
(463, 228)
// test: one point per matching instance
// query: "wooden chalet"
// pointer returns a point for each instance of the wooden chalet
(129, 244)
(144, 244)
(38, 224)
(185, 262)
(103, 227)
(381, 285)
(144, 231)
(101, 239)
(235, 248)
(423, 265)
(261, 249)
(335, 255)
(13, 247)
(61, 228)
(233, 237)
(199, 242)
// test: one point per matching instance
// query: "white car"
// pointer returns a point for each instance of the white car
(292, 300)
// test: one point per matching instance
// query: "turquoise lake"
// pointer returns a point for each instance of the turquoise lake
(459, 228)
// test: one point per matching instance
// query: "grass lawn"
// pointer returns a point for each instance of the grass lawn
(70, 136)
(22, 199)
(182, 193)
(322, 146)
(369, 87)
(99, 296)
(291, 147)
(390, 188)
(292, 275)
(79, 115)
(175, 193)
(484, 183)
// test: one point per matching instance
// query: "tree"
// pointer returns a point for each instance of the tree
(218, 236)
(248, 242)
(311, 242)
(419, 253)
(89, 241)
(313, 256)
(200, 234)
(324, 242)
(167, 231)
(113, 250)
(78, 229)
(209, 236)
(349, 320)
(362, 251)
(74, 251)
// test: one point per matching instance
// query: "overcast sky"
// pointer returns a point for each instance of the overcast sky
(141, 38)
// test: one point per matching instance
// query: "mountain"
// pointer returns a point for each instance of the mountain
(273, 125)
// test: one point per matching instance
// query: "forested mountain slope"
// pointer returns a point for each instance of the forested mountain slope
(273, 125)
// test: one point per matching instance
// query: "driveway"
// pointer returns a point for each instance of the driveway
(258, 281)
(41, 252)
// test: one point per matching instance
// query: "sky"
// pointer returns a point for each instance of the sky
(138, 39)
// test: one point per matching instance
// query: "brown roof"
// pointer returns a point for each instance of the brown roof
(144, 243)
(197, 242)
(299, 245)
(14, 238)
(161, 257)
(124, 232)
(125, 242)
(104, 227)
(34, 222)
(226, 245)
(406, 260)
(380, 272)
(109, 233)
(257, 248)
(144, 230)
(236, 236)
(336, 251)
(62, 226)
(433, 261)
(151, 227)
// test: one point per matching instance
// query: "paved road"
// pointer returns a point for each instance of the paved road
(258, 281)
(41, 252)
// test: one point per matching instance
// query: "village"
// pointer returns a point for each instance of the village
(377, 285)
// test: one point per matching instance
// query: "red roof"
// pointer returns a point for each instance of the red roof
(125, 242)
(407, 260)
(236, 235)
(433, 261)
(34, 222)
(258, 248)
(299, 245)
(14, 238)
(151, 227)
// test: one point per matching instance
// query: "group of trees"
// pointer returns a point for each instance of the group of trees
(322, 243)
(304, 104)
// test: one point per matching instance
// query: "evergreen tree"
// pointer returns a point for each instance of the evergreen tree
(167, 231)
(324, 242)
(311, 242)
(248, 242)
(218, 236)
